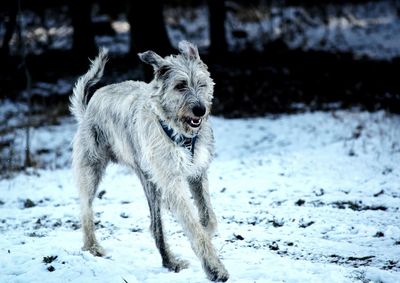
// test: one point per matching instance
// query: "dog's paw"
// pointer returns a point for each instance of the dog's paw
(95, 249)
(216, 272)
(176, 265)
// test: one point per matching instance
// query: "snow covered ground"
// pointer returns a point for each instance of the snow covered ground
(310, 197)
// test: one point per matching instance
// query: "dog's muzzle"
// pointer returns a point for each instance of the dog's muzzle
(199, 110)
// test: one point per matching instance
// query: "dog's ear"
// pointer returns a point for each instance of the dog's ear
(152, 58)
(188, 50)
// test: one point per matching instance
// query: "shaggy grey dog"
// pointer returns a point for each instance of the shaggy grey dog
(161, 131)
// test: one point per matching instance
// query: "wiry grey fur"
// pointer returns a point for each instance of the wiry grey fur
(121, 123)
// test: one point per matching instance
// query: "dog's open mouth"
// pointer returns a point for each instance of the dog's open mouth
(193, 122)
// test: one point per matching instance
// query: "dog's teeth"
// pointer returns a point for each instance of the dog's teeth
(196, 121)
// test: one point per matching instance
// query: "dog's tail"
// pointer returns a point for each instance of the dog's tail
(78, 100)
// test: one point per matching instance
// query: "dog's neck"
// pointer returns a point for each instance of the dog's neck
(181, 140)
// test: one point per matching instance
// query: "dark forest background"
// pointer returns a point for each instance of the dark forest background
(45, 46)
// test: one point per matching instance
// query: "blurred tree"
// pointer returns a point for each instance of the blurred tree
(83, 38)
(9, 10)
(218, 43)
(148, 31)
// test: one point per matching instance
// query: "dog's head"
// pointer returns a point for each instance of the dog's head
(183, 88)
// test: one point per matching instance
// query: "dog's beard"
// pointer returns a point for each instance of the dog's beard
(181, 119)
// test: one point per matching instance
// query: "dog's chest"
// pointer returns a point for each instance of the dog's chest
(191, 159)
(175, 160)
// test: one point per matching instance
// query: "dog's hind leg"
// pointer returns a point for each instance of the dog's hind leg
(88, 174)
(153, 196)
(201, 196)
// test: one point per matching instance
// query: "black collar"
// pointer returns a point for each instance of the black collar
(181, 140)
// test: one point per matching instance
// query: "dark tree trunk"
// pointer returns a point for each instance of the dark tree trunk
(83, 39)
(148, 31)
(218, 43)
(11, 9)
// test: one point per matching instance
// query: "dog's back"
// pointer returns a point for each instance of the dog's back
(117, 99)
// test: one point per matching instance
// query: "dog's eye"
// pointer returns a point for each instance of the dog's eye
(181, 86)
(202, 85)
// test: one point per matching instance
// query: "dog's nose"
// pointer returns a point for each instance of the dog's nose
(199, 110)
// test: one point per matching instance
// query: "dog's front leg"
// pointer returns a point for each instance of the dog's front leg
(177, 198)
(201, 196)
(153, 195)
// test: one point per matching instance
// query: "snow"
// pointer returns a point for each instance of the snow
(310, 197)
